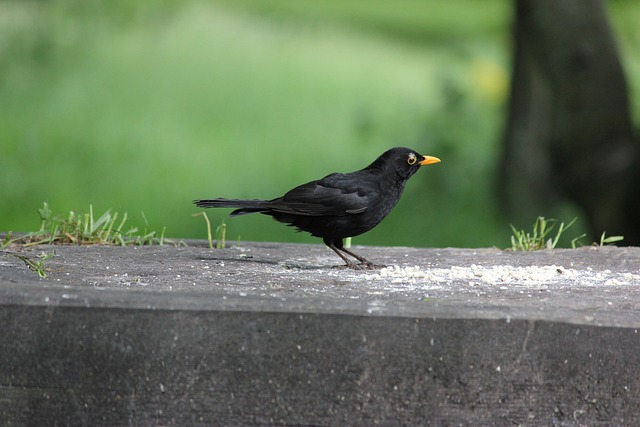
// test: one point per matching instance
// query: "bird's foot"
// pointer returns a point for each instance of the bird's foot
(363, 266)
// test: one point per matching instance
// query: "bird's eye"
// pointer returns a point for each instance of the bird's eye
(412, 159)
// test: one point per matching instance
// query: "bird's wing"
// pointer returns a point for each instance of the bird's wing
(335, 194)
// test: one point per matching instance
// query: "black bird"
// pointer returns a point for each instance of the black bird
(340, 204)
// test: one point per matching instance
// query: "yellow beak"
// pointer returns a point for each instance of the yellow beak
(428, 160)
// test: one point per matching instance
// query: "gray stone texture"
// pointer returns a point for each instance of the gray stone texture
(266, 334)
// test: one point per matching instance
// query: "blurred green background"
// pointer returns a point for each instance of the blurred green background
(142, 106)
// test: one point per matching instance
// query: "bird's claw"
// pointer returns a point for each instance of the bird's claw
(364, 266)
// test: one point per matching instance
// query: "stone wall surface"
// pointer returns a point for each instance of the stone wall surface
(266, 334)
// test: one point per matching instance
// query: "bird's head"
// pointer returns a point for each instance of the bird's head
(404, 161)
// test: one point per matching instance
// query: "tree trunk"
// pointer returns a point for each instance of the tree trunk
(569, 134)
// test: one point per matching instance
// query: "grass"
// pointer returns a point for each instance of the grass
(221, 235)
(36, 266)
(209, 235)
(78, 229)
(542, 236)
(85, 229)
(609, 240)
(221, 232)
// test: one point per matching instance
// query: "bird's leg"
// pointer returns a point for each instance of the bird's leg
(363, 261)
(365, 264)
(347, 261)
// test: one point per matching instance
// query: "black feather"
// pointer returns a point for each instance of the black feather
(338, 205)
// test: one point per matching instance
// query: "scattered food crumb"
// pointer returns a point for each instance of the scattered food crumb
(502, 275)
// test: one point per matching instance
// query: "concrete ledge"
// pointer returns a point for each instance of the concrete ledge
(272, 334)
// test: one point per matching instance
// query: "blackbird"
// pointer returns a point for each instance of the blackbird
(340, 204)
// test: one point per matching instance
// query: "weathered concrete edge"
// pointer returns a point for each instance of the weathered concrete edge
(40, 293)
(123, 366)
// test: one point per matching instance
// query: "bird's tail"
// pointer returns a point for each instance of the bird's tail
(245, 206)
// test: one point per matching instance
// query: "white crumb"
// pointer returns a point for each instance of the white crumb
(502, 275)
